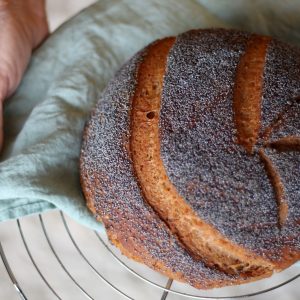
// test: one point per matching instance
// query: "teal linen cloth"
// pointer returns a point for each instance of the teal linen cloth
(45, 117)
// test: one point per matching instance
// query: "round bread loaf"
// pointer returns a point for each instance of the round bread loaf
(191, 157)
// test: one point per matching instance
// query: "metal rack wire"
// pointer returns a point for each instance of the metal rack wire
(165, 286)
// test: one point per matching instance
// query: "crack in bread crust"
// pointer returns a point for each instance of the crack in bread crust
(278, 187)
(200, 238)
(248, 91)
(289, 143)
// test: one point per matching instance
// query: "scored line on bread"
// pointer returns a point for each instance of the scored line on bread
(248, 91)
(247, 100)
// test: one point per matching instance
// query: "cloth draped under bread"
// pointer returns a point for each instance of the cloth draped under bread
(45, 118)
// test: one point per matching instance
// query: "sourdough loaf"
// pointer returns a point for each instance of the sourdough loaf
(191, 157)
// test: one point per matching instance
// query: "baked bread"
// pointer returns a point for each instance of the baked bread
(191, 157)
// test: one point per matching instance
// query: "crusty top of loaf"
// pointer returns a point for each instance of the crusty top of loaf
(216, 176)
(226, 186)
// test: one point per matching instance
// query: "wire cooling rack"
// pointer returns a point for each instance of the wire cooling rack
(50, 256)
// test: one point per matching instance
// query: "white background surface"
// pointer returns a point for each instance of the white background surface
(29, 279)
(60, 11)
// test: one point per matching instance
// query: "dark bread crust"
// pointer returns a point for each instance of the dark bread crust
(113, 192)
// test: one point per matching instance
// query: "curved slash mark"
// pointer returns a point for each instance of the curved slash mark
(285, 144)
(278, 187)
(247, 99)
